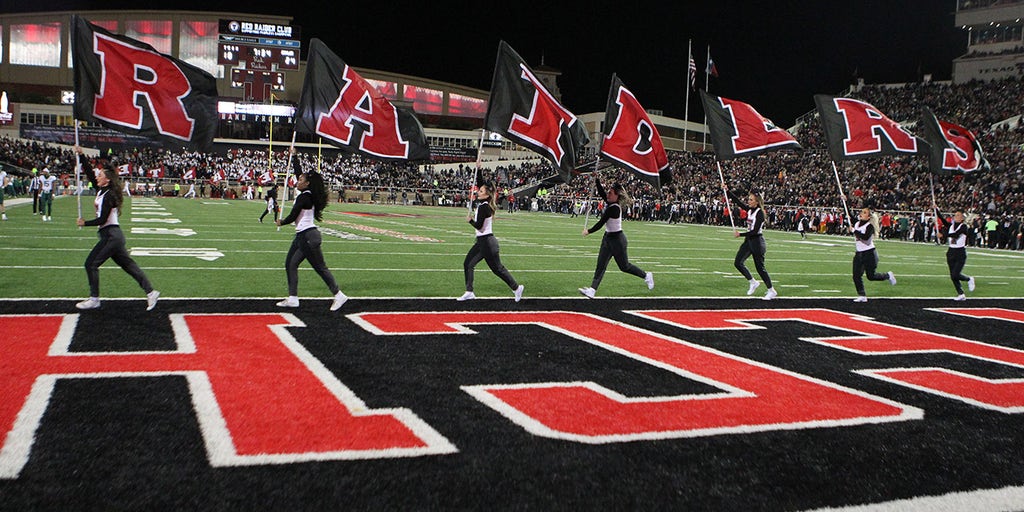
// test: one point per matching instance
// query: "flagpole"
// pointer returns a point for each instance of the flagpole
(476, 171)
(270, 147)
(78, 179)
(287, 173)
(725, 194)
(707, 86)
(590, 192)
(842, 195)
(935, 207)
(686, 112)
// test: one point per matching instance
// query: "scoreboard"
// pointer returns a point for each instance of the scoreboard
(260, 46)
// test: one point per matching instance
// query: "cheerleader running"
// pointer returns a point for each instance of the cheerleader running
(486, 246)
(956, 255)
(309, 205)
(865, 259)
(271, 203)
(614, 243)
(111, 245)
(754, 245)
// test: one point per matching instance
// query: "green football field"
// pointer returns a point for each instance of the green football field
(213, 248)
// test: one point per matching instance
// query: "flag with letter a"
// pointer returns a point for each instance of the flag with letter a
(856, 129)
(630, 138)
(128, 86)
(737, 129)
(953, 148)
(521, 109)
(342, 107)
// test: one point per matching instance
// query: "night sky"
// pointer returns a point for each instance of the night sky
(774, 55)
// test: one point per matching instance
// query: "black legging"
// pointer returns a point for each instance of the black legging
(614, 245)
(866, 261)
(111, 245)
(753, 246)
(486, 248)
(956, 258)
(306, 246)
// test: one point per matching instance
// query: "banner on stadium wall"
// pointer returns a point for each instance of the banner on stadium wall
(447, 154)
(89, 136)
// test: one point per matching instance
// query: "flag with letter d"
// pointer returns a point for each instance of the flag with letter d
(630, 138)
(128, 86)
(340, 106)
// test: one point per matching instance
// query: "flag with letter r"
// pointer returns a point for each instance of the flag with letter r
(855, 129)
(342, 107)
(522, 109)
(128, 86)
(630, 138)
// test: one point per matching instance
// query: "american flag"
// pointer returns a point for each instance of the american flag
(693, 73)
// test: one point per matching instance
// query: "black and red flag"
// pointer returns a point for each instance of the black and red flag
(340, 106)
(738, 130)
(954, 149)
(855, 129)
(522, 109)
(126, 85)
(630, 138)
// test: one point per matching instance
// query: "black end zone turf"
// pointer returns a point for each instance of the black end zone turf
(136, 442)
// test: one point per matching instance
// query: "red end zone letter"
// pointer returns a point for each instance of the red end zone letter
(753, 396)
(259, 396)
(128, 73)
(876, 338)
(381, 135)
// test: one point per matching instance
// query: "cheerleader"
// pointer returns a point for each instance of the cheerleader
(271, 203)
(111, 245)
(614, 243)
(956, 255)
(754, 245)
(309, 205)
(486, 246)
(865, 259)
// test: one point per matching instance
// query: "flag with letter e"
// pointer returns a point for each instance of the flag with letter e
(953, 148)
(630, 138)
(128, 86)
(738, 130)
(521, 109)
(855, 129)
(340, 106)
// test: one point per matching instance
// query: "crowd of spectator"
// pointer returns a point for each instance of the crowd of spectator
(794, 184)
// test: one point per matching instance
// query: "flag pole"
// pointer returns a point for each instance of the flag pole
(725, 194)
(707, 86)
(935, 206)
(686, 84)
(78, 179)
(476, 171)
(270, 147)
(287, 173)
(842, 195)
(590, 191)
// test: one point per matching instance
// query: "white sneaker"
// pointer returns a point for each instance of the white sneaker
(770, 294)
(892, 278)
(151, 298)
(290, 302)
(649, 279)
(970, 284)
(466, 296)
(90, 303)
(753, 286)
(860, 298)
(5, 217)
(588, 292)
(339, 301)
(960, 298)
(519, 293)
